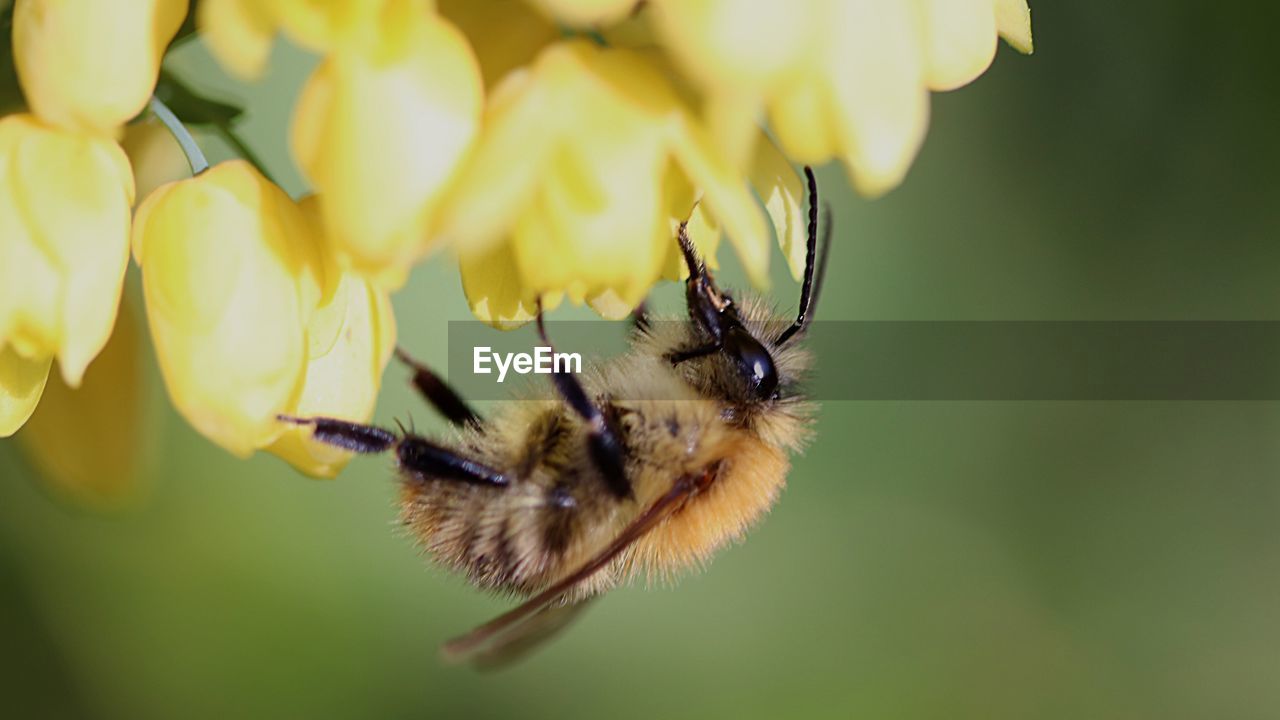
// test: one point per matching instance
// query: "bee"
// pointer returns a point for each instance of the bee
(647, 464)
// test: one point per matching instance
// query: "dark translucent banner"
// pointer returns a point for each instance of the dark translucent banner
(1024, 360)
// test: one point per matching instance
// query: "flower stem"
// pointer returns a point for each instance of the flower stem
(195, 158)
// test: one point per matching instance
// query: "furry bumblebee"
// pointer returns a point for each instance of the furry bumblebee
(647, 464)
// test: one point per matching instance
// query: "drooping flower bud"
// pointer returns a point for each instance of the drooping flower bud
(380, 130)
(253, 318)
(582, 199)
(64, 241)
(88, 64)
(231, 273)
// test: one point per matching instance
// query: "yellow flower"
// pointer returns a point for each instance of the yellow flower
(251, 317)
(89, 64)
(240, 33)
(90, 443)
(64, 241)
(154, 154)
(350, 340)
(380, 131)
(838, 78)
(22, 381)
(575, 173)
(583, 13)
(230, 276)
(504, 34)
(324, 24)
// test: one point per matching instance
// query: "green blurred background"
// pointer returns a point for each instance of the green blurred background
(983, 560)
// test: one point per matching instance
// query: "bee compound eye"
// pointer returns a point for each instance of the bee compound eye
(754, 362)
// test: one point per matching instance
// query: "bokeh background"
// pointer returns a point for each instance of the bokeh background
(950, 559)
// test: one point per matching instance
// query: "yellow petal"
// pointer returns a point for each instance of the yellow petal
(959, 41)
(504, 34)
(882, 106)
(496, 292)
(499, 178)
(582, 13)
(66, 198)
(21, 383)
(88, 64)
(380, 135)
(88, 443)
(239, 33)
(1013, 18)
(784, 196)
(682, 205)
(231, 272)
(736, 46)
(600, 219)
(155, 156)
(351, 337)
(726, 197)
(582, 201)
(326, 25)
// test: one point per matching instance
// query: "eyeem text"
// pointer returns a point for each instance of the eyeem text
(543, 361)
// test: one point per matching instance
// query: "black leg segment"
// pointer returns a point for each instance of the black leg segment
(640, 318)
(428, 460)
(694, 353)
(437, 392)
(416, 455)
(346, 435)
(607, 452)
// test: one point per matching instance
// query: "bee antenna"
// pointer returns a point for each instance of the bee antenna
(812, 265)
(824, 254)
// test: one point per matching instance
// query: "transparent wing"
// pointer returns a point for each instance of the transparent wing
(521, 639)
(522, 622)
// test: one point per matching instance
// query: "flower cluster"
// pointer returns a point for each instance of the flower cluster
(551, 146)
(250, 311)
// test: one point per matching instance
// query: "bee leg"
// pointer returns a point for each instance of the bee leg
(418, 456)
(426, 460)
(346, 435)
(678, 357)
(607, 452)
(438, 394)
(640, 318)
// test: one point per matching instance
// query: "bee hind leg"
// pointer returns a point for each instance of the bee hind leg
(417, 456)
(438, 394)
(346, 435)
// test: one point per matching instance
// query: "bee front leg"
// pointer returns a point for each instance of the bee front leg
(692, 354)
(607, 452)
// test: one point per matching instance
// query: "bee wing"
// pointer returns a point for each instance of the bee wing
(523, 638)
(515, 623)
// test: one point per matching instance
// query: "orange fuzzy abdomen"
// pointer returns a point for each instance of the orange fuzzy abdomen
(746, 482)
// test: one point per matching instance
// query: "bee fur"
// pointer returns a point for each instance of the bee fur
(644, 465)
(557, 511)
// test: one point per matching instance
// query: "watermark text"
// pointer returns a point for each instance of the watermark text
(543, 361)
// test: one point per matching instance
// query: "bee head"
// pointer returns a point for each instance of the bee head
(723, 332)
(753, 361)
